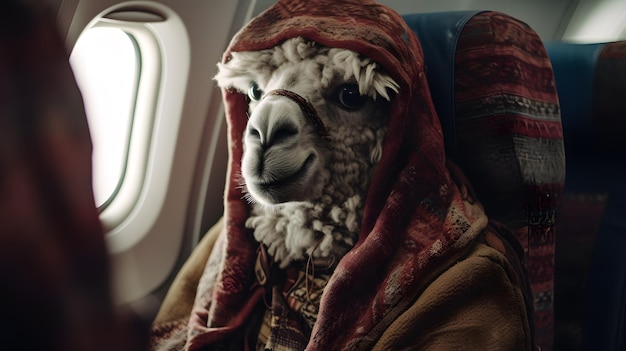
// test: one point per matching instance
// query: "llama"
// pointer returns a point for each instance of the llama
(317, 120)
(345, 225)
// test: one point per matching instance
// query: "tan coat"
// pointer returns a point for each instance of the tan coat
(474, 303)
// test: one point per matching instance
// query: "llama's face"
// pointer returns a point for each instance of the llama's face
(286, 153)
(311, 133)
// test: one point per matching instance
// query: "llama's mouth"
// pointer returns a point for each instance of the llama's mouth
(282, 189)
(291, 178)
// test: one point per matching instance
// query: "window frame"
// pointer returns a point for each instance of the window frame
(132, 219)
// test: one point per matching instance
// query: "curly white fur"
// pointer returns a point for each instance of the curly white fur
(307, 192)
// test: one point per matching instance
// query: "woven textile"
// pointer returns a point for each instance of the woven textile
(510, 141)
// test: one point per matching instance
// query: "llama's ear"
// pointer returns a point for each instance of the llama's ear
(243, 68)
(229, 77)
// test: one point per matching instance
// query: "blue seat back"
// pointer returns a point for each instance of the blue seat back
(591, 246)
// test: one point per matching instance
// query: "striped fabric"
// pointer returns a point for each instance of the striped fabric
(510, 141)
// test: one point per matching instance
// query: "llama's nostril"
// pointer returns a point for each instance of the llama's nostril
(283, 133)
(267, 128)
(253, 133)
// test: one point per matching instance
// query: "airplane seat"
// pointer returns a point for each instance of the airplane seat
(493, 87)
(590, 282)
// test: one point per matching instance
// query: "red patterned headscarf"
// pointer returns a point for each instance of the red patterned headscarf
(416, 214)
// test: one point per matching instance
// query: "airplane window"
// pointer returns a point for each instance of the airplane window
(106, 63)
(594, 22)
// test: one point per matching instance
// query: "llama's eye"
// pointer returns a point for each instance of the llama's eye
(255, 93)
(349, 97)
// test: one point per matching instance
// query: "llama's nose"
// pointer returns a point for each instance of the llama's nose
(269, 127)
(272, 134)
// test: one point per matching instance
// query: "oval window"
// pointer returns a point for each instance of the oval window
(106, 63)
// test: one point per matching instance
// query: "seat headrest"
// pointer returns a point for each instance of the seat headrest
(574, 68)
(493, 87)
(591, 81)
(609, 98)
